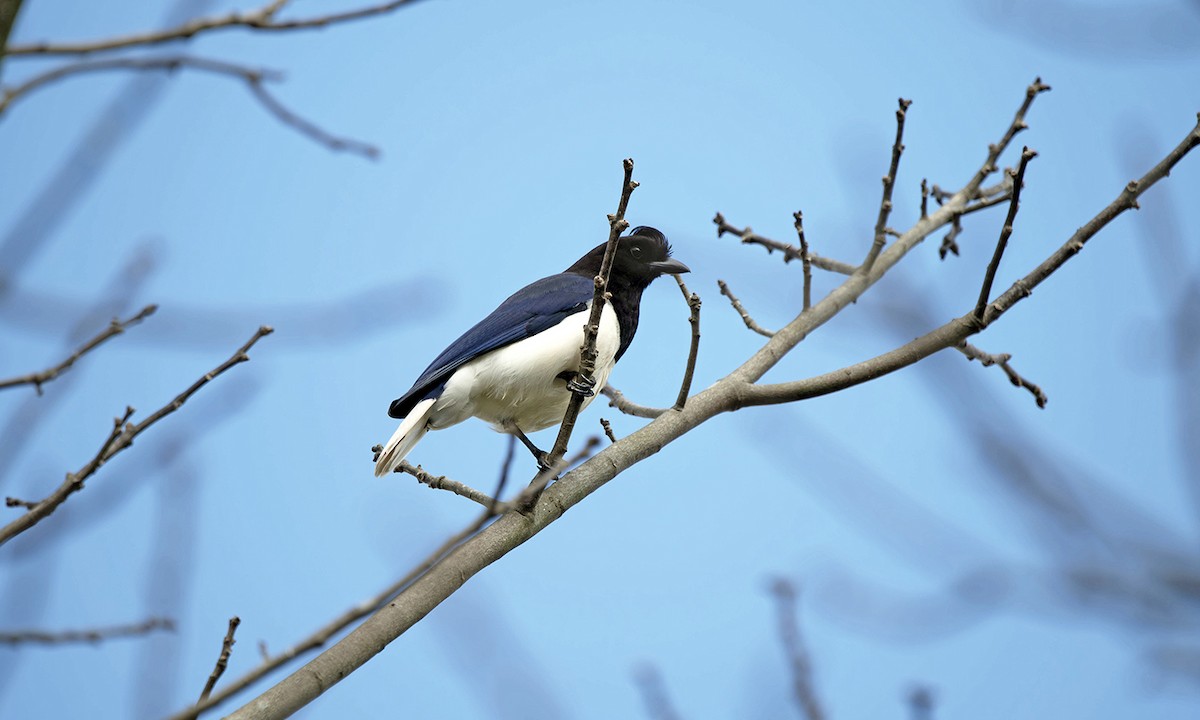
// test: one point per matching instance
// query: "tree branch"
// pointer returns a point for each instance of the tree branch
(1037, 87)
(741, 310)
(222, 659)
(92, 635)
(441, 482)
(732, 392)
(1002, 361)
(116, 327)
(617, 399)
(805, 258)
(254, 79)
(790, 252)
(889, 183)
(587, 353)
(1006, 231)
(121, 437)
(693, 301)
(262, 19)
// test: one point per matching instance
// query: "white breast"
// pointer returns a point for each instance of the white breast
(519, 382)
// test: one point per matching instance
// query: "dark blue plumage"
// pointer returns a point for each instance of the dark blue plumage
(512, 368)
(527, 312)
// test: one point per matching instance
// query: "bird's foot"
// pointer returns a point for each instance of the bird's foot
(582, 385)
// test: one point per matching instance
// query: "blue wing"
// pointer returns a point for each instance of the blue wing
(536, 307)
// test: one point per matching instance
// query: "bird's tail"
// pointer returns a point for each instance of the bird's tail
(411, 430)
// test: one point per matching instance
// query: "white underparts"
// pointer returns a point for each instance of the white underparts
(518, 383)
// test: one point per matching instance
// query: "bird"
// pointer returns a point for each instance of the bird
(516, 369)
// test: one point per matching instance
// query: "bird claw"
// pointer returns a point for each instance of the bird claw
(582, 385)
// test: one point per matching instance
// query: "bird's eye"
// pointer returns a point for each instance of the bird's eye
(635, 251)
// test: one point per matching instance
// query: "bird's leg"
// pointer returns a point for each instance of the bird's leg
(539, 455)
(577, 382)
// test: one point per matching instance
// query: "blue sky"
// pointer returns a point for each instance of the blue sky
(502, 127)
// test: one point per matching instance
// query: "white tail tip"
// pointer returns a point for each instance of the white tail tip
(410, 432)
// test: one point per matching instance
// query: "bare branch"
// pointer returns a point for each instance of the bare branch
(116, 327)
(1005, 232)
(1126, 200)
(790, 252)
(617, 399)
(924, 198)
(222, 659)
(994, 151)
(254, 79)
(92, 635)
(1002, 361)
(608, 431)
(441, 482)
(262, 19)
(797, 654)
(693, 301)
(959, 329)
(950, 242)
(524, 501)
(587, 353)
(741, 310)
(121, 437)
(889, 183)
(735, 391)
(805, 258)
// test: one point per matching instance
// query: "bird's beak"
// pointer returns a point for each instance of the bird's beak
(670, 266)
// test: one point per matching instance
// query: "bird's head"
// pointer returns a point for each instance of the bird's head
(642, 255)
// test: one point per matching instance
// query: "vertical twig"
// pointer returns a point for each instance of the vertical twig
(693, 301)
(805, 260)
(587, 364)
(222, 659)
(889, 182)
(1014, 203)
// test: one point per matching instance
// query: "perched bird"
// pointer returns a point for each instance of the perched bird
(513, 368)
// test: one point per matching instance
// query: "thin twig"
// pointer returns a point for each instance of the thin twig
(617, 399)
(790, 252)
(924, 198)
(1001, 360)
(889, 183)
(793, 646)
(741, 310)
(222, 659)
(960, 328)
(529, 495)
(261, 19)
(1005, 232)
(587, 353)
(805, 259)
(608, 431)
(693, 301)
(121, 437)
(254, 79)
(738, 390)
(1037, 87)
(441, 482)
(950, 242)
(116, 327)
(92, 635)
